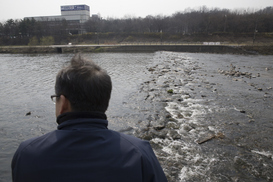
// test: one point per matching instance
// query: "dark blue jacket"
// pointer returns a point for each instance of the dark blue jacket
(83, 149)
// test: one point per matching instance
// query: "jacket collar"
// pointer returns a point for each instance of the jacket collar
(88, 117)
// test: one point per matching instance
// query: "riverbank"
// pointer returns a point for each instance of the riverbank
(144, 47)
(208, 118)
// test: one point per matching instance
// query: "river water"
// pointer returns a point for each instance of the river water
(27, 81)
(216, 126)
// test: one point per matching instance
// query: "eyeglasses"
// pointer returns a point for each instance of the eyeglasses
(53, 98)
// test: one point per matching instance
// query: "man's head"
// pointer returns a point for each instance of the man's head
(84, 86)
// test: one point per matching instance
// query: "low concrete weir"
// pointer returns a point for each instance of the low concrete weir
(177, 48)
(221, 49)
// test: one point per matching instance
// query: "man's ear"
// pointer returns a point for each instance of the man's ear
(65, 105)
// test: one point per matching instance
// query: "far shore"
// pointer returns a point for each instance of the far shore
(195, 47)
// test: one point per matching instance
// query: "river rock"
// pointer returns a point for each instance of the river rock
(157, 134)
(172, 125)
(174, 134)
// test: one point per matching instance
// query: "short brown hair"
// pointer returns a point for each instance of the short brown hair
(86, 85)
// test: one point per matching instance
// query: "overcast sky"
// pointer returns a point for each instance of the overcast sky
(18, 9)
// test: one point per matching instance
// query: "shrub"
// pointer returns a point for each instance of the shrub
(33, 41)
(47, 40)
(129, 39)
(170, 91)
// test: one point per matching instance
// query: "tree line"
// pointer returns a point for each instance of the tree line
(25, 31)
(201, 21)
(190, 21)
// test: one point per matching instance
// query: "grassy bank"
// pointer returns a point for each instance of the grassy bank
(261, 43)
(119, 38)
(146, 47)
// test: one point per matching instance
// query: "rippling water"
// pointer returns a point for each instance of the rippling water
(209, 102)
(223, 123)
(27, 81)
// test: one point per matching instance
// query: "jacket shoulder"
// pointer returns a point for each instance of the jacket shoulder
(134, 141)
(151, 168)
(32, 142)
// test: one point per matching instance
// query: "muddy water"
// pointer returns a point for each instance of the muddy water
(207, 116)
(219, 120)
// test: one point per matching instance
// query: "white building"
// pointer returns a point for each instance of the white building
(76, 15)
(79, 13)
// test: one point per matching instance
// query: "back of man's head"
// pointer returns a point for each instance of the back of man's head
(85, 85)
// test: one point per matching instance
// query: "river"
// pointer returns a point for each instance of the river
(204, 122)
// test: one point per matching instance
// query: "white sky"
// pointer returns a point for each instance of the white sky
(18, 9)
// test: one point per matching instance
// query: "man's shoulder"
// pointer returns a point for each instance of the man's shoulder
(129, 138)
(132, 141)
(32, 142)
(151, 167)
